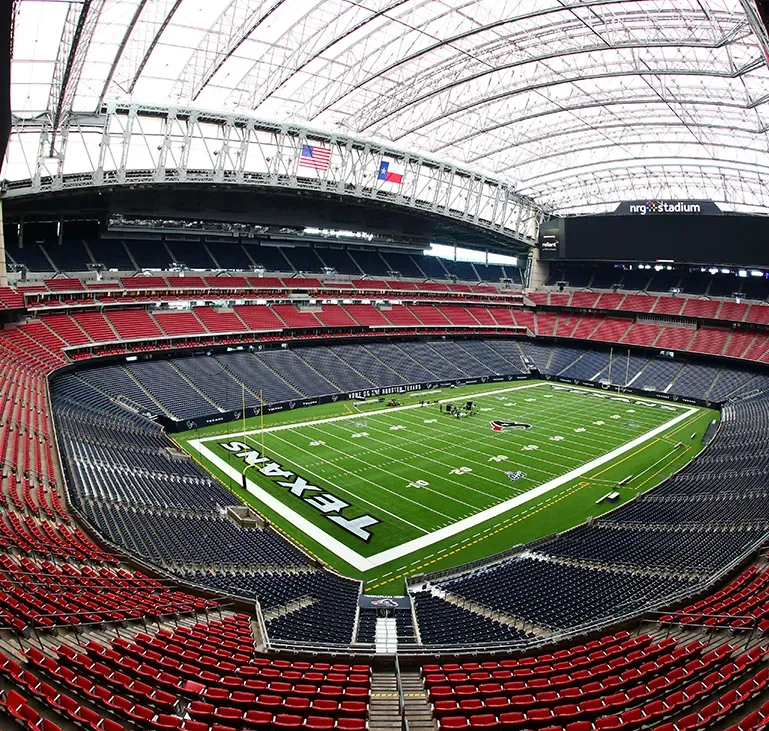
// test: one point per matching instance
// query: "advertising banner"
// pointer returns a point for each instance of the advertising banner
(198, 422)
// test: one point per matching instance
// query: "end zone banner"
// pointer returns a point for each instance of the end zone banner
(636, 392)
(198, 422)
(367, 601)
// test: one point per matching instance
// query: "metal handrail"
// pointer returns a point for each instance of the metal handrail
(399, 687)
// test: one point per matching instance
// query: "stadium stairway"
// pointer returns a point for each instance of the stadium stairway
(385, 706)
(292, 606)
(416, 706)
(193, 385)
(503, 618)
(146, 391)
(386, 635)
(705, 666)
(618, 568)
(384, 711)
(193, 674)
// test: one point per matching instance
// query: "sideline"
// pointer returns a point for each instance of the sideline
(364, 563)
(347, 417)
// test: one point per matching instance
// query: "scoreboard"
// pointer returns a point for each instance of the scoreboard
(551, 236)
(712, 238)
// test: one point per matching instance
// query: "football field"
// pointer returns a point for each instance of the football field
(374, 489)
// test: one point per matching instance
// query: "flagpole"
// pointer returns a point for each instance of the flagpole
(611, 356)
(627, 367)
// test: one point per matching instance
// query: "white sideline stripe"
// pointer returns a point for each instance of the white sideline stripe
(372, 414)
(423, 541)
(299, 521)
(363, 563)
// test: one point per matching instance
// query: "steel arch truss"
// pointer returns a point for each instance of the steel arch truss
(741, 189)
(139, 144)
(525, 90)
(528, 90)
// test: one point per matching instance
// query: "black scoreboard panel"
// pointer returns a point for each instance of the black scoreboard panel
(551, 239)
(727, 239)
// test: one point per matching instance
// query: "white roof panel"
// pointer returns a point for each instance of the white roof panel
(580, 103)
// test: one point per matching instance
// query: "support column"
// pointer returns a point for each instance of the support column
(538, 270)
(3, 270)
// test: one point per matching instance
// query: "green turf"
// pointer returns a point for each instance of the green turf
(378, 462)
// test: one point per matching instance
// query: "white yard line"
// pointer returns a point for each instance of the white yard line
(392, 448)
(330, 419)
(492, 512)
(356, 476)
(548, 450)
(364, 563)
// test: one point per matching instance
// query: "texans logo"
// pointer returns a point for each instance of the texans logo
(497, 425)
(384, 603)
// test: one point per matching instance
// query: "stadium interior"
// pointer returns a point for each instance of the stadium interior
(254, 259)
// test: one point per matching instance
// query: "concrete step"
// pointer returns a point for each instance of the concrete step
(386, 636)
(418, 712)
(383, 708)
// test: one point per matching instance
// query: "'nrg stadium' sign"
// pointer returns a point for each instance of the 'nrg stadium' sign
(655, 207)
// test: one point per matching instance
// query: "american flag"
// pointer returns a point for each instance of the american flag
(315, 157)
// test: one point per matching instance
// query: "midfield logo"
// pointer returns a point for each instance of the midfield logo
(498, 425)
(516, 475)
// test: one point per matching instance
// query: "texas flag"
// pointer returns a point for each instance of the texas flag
(387, 176)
